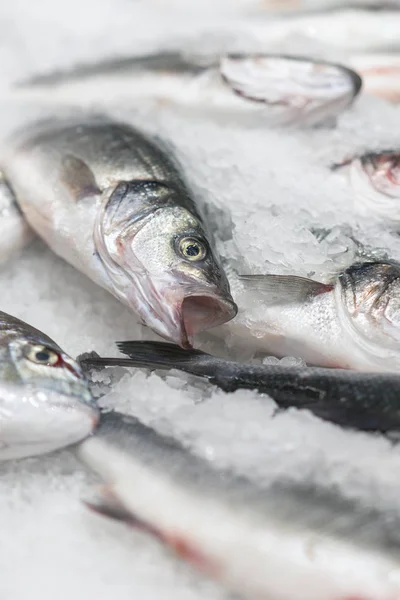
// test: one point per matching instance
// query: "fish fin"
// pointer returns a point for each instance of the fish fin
(78, 178)
(161, 355)
(285, 289)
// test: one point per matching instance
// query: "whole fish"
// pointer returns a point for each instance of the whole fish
(45, 403)
(353, 322)
(112, 203)
(364, 401)
(380, 74)
(375, 181)
(272, 89)
(284, 541)
(15, 232)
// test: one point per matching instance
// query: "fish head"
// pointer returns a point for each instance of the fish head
(375, 179)
(370, 293)
(45, 402)
(163, 266)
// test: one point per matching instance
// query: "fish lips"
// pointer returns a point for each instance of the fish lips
(37, 421)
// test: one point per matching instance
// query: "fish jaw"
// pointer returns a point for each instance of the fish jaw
(37, 421)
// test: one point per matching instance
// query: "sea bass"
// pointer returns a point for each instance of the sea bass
(353, 322)
(110, 202)
(364, 401)
(282, 541)
(45, 403)
(267, 88)
(375, 181)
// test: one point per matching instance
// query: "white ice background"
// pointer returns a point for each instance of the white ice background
(268, 188)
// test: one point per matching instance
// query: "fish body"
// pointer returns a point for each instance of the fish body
(363, 401)
(45, 403)
(278, 542)
(375, 182)
(112, 203)
(351, 323)
(271, 89)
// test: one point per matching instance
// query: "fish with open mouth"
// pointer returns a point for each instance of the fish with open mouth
(352, 322)
(363, 401)
(282, 541)
(272, 89)
(375, 181)
(113, 204)
(45, 402)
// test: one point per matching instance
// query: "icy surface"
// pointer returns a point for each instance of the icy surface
(270, 189)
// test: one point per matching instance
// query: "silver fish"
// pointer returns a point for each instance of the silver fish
(110, 202)
(45, 403)
(352, 323)
(375, 181)
(380, 74)
(271, 89)
(284, 541)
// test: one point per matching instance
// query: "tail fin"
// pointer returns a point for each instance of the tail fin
(160, 355)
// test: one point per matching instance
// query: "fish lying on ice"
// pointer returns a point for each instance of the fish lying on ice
(110, 202)
(364, 401)
(284, 541)
(375, 181)
(45, 403)
(353, 322)
(380, 74)
(272, 89)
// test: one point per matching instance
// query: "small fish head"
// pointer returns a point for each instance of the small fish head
(371, 299)
(375, 179)
(45, 402)
(174, 279)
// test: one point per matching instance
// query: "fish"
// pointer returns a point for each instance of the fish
(380, 74)
(272, 541)
(352, 322)
(375, 182)
(45, 402)
(15, 233)
(362, 401)
(277, 90)
(111, 202)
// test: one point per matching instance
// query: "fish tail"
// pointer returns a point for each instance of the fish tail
(159, 355)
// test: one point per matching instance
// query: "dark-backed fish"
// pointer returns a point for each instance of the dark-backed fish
(272, 89)
(275, 542)
(113, 204)
(365, 401)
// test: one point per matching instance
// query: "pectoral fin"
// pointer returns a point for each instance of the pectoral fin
(284, 289)
(78, 178)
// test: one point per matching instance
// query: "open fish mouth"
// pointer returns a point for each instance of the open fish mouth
(199, 312)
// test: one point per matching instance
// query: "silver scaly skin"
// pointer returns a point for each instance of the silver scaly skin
(110, 202)
(45, 403)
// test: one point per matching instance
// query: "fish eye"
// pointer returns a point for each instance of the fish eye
(42, 355)
(192, 249)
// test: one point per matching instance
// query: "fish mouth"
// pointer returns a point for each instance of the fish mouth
(199, 312)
